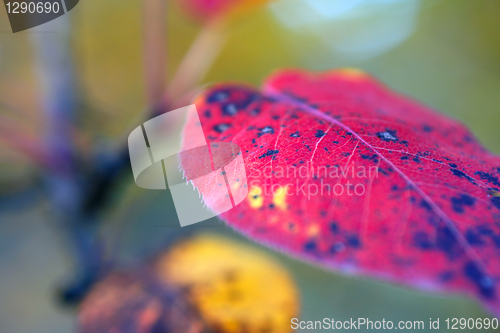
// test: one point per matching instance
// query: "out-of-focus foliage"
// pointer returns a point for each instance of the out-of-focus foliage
(214, 9)
(234, 287)
(356, 30)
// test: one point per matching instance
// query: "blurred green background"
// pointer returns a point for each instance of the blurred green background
(445, 53)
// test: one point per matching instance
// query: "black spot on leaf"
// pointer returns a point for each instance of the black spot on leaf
(495, 201)
(459, 203)
(385, 172)
(484, 230)
(310, 246)
(269, 152)
(255, 111)
(220, 128)
(460, 174)
(218, 96)
(229, 109)
(373, 157)
(265, 130)
(447, 242)
(489, 178)
(484, 283)
(427, 128)
(425, 204)
(320, 134)
(422, 241)
(474, 238)
(353, 241)
(387, 136)
(496, 240)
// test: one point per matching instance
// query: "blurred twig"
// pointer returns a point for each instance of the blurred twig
(198, 60)
(66, 183)
(154, 44)
(22, 142)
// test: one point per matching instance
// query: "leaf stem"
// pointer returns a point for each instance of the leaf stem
(198, 60)
(154, 49)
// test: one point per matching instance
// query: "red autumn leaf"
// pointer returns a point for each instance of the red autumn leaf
(425, 212)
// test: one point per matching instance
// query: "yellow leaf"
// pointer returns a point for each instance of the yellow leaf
(234, 287)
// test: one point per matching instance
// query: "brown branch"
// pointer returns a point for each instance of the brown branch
(54, 61)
